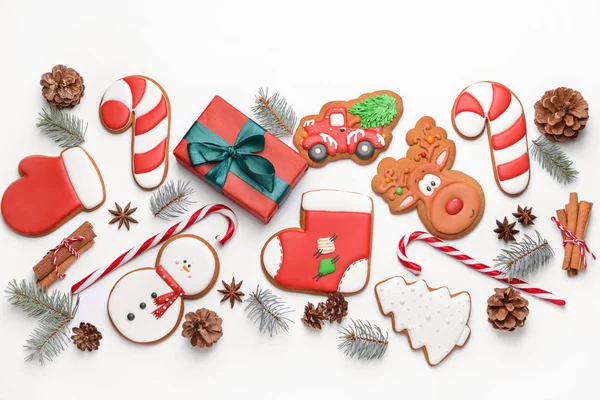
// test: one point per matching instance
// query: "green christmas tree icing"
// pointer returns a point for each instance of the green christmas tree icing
(375, 111)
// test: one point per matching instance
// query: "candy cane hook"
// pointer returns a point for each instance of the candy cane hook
(158, 239)
(469, 262)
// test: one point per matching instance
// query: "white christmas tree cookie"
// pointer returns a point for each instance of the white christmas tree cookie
(432, 318)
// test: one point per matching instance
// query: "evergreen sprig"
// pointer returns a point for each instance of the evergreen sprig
(375, 111)
(64, 128)
(274, 113)
(363, 340)
(171, 200)
(524, 257)
(54, 310)
(553, 159)
(269, 309)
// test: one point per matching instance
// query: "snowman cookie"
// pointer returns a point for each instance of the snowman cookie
(146, 305)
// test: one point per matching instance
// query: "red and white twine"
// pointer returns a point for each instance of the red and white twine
(572, 239)
(66, 243)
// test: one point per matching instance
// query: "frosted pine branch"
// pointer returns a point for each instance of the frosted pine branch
(554, 160)
(524, 257)
(268, 309)
(274, 113)
(171, 200)
(64, 128)
(363, 340)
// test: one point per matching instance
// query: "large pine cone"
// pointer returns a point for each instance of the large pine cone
(561, 114)
(203, 326)
(313, 317)
(336, 307)
(86, 337)
(63, 87)
(507, 310)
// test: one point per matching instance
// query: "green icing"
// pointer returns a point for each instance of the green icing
(375, 111)
(399, 191)
(326, 266)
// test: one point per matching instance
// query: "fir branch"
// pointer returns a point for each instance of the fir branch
(524, 257)
(269, 309)
(274, 113)
(554, 160)
(363, 340)
(54, 310)
(171, 200)
(64, 128)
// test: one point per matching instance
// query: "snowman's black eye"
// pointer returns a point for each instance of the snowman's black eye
(130, 316)
(154, 295)
(142, 305)
(185, 261)
(189, 265)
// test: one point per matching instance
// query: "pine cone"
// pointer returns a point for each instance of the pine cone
(336, 307)
(313, 317)
(63, 87)
(203, 326)
(86, 337)
(507, 310)
(561, 114)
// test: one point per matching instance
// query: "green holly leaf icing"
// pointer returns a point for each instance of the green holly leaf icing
(326, 266)
(375, 111)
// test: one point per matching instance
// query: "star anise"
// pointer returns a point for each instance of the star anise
(123, 216)
(232, 292)
(505, 230)
(525, 215)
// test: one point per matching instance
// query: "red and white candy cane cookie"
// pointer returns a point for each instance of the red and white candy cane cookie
(493, 105)
(141, 103)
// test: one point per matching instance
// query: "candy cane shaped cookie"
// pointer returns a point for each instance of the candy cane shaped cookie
(141, 103)
(493, 105)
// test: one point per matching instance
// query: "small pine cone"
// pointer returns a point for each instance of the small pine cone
(507, 310)
(86, 337)
(203, 326)
(336, 307)
(561, 114)
(313, 317)
(63, 87)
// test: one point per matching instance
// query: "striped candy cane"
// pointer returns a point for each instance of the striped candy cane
(140, 102)
(469, 262)
(158, 239)
(495, 104)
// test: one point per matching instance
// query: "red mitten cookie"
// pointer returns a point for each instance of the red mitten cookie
(51, 191)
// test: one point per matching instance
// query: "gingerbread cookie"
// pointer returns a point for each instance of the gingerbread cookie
(450, 203)
(146, 304)
(141, 103)
(358, 129)
(51, 191)
(433, 318)
(330, 252)
(493, 105)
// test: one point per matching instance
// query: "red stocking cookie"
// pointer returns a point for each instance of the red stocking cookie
(51, 191)
(493, 105)
(330, 252)
(146, 305)
(450, 203)
(141, 103)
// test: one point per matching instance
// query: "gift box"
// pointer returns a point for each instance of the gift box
(239, 158)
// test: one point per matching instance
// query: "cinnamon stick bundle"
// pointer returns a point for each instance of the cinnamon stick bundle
(44, 270)
(575, 218)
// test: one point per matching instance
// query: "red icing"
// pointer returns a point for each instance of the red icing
(42, 198)
(500, 101)
(148, 121)
(150, 160)
(454, 206)
(466, 102)
(138, 88)
(115, 115)
(514, 168)
(510, 136)
(300, 266)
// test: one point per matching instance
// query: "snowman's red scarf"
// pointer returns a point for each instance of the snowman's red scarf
(166, 300)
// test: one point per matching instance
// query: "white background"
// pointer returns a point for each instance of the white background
(311, 52)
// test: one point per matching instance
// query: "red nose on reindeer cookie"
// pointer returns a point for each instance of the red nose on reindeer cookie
(146, 305)
(450, 203)
(330, 252)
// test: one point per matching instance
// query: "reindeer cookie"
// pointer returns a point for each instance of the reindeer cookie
(146, 305)
(450, 203)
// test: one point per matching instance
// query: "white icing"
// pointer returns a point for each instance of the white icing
(484, 93)
(515, 185)
(408, 200)
(353, 135)
(133, 289)
(380, 139)
(469, 124)
(196, 256)
(310, 122)
(337, 119)
(355, 277)
(150, 99)
(151, 179)
(84, 177)
(151, 139)
(511, 152)
(508, 117)
(119, 91)
(441, 158)
(334, 200)
(330, 141)
(325, 245)
(433, 320)
(272, 256)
